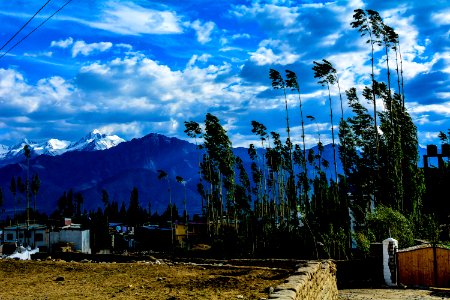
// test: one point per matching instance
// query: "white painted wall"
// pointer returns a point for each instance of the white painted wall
(386, 269)
(80, 238)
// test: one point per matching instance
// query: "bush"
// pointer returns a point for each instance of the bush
(386, 222)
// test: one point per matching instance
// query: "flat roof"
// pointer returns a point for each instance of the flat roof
(24, 227)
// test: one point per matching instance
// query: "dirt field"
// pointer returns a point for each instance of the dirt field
(144, 280)
(161, 280)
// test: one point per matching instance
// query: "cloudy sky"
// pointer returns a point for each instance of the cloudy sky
(134, 67)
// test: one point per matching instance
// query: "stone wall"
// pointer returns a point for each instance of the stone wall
(312, 280)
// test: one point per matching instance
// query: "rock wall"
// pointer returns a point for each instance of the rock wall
(312, 280)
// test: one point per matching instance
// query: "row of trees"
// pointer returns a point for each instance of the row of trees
(287, 199)
(70, 204)
(283, 202)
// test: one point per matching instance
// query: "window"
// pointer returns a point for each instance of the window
(20, 235)
(38, 237)
(9, 236)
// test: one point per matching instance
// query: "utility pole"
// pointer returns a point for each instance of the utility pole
(27, 152)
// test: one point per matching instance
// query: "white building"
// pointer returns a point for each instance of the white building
(73, 234)
(34, 235)
(39, 236)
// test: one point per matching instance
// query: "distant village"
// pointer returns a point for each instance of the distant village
(67, 236)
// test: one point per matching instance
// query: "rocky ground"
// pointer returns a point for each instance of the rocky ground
(140, 280)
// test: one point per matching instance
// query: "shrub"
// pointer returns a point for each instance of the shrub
(386, 222)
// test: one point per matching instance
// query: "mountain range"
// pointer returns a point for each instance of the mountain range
(91, 142)
(99, 161)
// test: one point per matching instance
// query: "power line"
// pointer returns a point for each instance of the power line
(24, 25)
(36, 28)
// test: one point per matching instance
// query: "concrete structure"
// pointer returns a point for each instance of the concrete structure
(34, 235)
(39, 236)
(72, 234)
(390, 247)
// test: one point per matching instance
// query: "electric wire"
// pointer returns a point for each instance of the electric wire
(36, 28)
(24, 25)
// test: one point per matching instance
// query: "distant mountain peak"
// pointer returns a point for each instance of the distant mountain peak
(95, 140)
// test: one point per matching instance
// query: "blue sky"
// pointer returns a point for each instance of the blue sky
(134, 67)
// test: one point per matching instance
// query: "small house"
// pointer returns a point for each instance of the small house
(34, 235)
(74, 235)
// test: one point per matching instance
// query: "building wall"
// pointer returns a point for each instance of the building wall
(13, 235)
(80, 239)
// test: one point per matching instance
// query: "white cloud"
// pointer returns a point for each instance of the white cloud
(62, 43)
(419, 109)
(240, 36)
(412, 47)
(273, 52)
(16, 94)
(95, 68)
(132, 129)
(443, 95)
(331, 39)
(195, 58)
(203, 31)
(80, 47)
(130, 19)
(413, 68)
(139, 85)
(39, 54)
(54, 88)
(442, 17)
(125, 46)
(278, 15)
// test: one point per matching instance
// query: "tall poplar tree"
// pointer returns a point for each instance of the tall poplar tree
(326, 73)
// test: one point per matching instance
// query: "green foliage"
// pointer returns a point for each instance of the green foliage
(335, 242)
(428, 229)
(444, 137)
(386, 222)
(280, 204)
(362, 241)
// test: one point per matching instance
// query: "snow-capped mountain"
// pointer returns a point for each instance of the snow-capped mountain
(95, 141)
(117, 170)
(91, 142)
(3, 150)
(51, 147)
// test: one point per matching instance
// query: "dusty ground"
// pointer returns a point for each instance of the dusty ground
(151, 280)
(144, 280)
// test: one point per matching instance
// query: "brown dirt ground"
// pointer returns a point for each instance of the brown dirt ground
(146, 280)
(141, 280)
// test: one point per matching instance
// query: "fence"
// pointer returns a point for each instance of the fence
(424, 265)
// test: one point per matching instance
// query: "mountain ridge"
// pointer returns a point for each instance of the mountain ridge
(120, 168)
(93, 141)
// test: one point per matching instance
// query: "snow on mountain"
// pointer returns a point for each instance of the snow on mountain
(92, 142)
(54, 147)
(3, 151)
(95, 141)
(50, 147)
